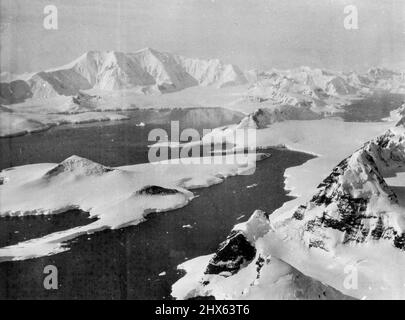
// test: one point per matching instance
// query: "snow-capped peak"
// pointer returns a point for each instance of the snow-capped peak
(354, 203)
(388, 150)
(353, 222)
(79, 167)
(113, 70)
(147, 49)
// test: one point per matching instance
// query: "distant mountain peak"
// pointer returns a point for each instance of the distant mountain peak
(145, 68)
(148, 50)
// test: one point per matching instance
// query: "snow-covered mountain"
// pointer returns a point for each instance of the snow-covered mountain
(385, 79)
(259, 119)
(318, 88)
(240, 269)
(354, 219)
(354, 204)
(148, 69)
(265, 117)
(312, 83)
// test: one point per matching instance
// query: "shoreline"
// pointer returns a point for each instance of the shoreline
(49, 126)
(301, 181)
(165, 231)
(115, 112)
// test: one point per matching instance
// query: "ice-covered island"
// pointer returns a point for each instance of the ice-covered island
(117, 197)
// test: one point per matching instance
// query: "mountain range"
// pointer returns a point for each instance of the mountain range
(318, 88)
(149, 71)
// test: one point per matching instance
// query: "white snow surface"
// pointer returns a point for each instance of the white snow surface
(317, 90)
(113, 195)
(379, 264)
(113, 81)
(16, 124)
(149, 78)
(148, 70)
(276, 280)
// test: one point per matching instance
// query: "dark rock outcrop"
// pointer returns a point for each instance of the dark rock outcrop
(346, 199)
(232, 255)
(238, 250)
(15, 92)
(156, 190)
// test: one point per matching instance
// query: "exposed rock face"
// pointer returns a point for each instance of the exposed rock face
(401, 122)
(14, 92)
(238, 250)
(354, 211)
(232, 255)
(157, 190)
(355, 199)
(388, 150)
(256, 120)
(347, 209)
(264, 117)
(84, 99)
(312, 90)
(239, 268)
(204, 117)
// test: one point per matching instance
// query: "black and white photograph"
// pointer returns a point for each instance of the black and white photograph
(182, 150)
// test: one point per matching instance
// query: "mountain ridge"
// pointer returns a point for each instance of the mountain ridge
(354, 217)
(161, 72)
(150, 71)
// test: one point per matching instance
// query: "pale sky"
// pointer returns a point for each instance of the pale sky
(250, 33)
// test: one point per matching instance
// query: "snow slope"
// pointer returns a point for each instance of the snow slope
(148, 70)
(353, 219)
(85, 108)
(16, 124)
(114, 81)
(239, 270)
(118, 197)
(12, 124)
(321, 91)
